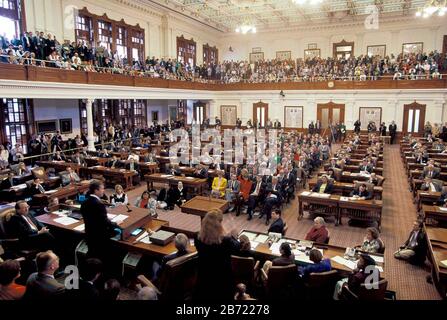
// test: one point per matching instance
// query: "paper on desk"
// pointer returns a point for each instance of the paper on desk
(143, 235)
(66, 221)
(442, 209)
(111, 216)
(301, 256)
(250, 235)
(120, 218)
(350, 264)
(20, 186)
(443, 263)
(146, 240)
(344, 199)
(190, 178)
(254, 244)
(50, 191)
(377, 259)
(275, 248)
(81, 227)
(166, 175)
(305, 193)
(261, 238)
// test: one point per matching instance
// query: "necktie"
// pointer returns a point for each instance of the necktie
(71, 177)
(30, 223)
(41, 189)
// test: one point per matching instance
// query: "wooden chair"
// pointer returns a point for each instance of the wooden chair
(364, 293)
(178, 279)
(321, 285)
(244, 270)
(280, 281)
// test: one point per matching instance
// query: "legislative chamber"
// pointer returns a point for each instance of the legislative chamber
(199, 152)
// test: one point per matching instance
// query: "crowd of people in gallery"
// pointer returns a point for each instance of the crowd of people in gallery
(44, 50)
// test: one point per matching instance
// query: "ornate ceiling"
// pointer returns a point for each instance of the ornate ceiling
(226, 15)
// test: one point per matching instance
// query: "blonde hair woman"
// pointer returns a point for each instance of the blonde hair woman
(119, 197)
(214, 249)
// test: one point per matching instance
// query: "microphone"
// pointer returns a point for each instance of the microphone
(128, 209)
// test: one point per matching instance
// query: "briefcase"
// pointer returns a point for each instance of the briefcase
(162, 237)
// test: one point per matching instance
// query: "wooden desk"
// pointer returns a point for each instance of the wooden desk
(129, 244)
(188, 182)
(363, 210)
(345, 188)
(61, 193)
(434, 213)
(59, 166)
(437, 252)
(97, 161)
(110, 174)
(200, 206)
(349, 177)
(264, 252)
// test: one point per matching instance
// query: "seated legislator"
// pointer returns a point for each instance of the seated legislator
(257, 193)
(181, 243)
(318, 233)
(277, 225)
(319, 265)
(173, 169)
(357, 277)
(324, 185)
(430, 185)
(21, 169)
(7, 182)
(143, 201)
(286, 258)
(219, 185)
(104, 154)
(70, 177)
(79, 159)
(176, 196)
(430, 172)
(58, 156)
(114, 163)
(133, 156)
(373, 179)
(30, 232)
(42, 285)
(415, 248)
(366, 167)
(119, 197)
(232, 192)
(9, 273)
(372, 243)
(274, 197)
(361, 193)
(35, 188)
(245, 247)
(245, 188)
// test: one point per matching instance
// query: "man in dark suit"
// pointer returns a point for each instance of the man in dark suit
(357, 125)
(30, 232)
(256, 194)
(35, 188)
(430, 172)
(70, 177)
(200, 172)
(366, 167)
(392, 129)
(7, 182)
(98, 228)
(176, 196)
(430, 185)
(288, 182)
(274, 197)
(362, 192)
(42, 285)
(324, 185)
(415, 248)
(114, 163)
(181, 244)
(278, 224)
(78, 159)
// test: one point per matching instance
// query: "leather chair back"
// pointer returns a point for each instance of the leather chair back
(178, 278)
(243, 269)
(281, 279)
(321, 285)
(40, 173)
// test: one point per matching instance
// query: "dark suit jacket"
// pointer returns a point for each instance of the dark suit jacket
(6, 184)
(328, 189)
(17, 227)
(277, 226)
(86, 292)
(98, 228)
(261, 189)
(40, 286)
(434, 175)
(365, 194)
(118, 163)
(278, 192)
(368, 168)
(421, 247)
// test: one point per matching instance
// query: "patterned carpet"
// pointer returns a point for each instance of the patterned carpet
(409, 282)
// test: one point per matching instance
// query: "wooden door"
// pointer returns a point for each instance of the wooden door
(330, 113)
(444, 45)
(414, 118)
(260, 114)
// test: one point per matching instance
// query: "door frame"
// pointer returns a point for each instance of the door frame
(331, 105)
(422, 108)
(255, 107)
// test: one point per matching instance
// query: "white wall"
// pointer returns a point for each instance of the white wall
(157, 105)
(52, 109)
(393, 35)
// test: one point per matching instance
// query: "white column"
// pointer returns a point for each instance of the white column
(90, 136)
(213, 110)
(350, 114)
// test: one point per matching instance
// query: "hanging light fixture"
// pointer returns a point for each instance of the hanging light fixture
(433, 7)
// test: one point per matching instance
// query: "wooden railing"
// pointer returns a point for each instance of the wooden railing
(32, 73)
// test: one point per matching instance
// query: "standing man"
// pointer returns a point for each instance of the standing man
(392, 129)
(98, 228)
(357, 126)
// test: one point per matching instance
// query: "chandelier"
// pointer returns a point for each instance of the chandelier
(432, 7)
(246, 28)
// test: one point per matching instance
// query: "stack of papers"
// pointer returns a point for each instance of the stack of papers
(305, 193)
(80, 228)
(66, 221)
(254, 244)
(301, 257)
(262, 238)
(250, 235)
(350, 264)
(275, 248)
(120, 218)
(111, 216)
